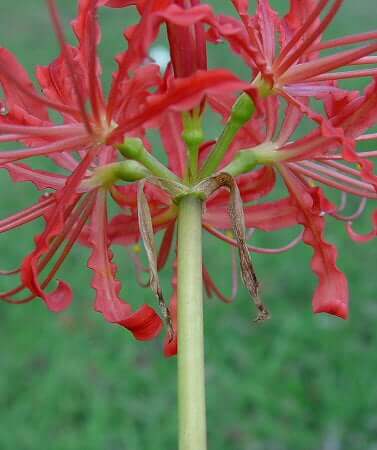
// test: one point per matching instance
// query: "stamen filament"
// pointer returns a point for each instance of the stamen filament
(329, 182)
(353, 216)
(290, 60)
(26, 216)
(252, 248)
(338, 175)
(59, 146)
(300, 32)
(345, 40)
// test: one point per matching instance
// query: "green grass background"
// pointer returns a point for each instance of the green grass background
(74, 382)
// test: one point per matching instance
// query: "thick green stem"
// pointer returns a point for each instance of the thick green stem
(191, 379)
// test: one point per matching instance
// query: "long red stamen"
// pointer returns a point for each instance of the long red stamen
(353, 216)
(26, 216)
(5, 273)
(59, 239)
(345, 40)
(297, 168)
(11, 137)
(73, 228)
(211, 287)
(59, 146)
(343, 168)
(291, 59)
(344, 75)
(372, 154)
(73, 236)
(57, 130)
(316, 67)
(300, 32)
(364, 60)
(252, 248)
(338, 175)
(367, 137)
(9, 295)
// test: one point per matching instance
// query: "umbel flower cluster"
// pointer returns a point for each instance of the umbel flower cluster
(102, 156)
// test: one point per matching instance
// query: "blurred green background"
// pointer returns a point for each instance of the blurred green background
(74, 382)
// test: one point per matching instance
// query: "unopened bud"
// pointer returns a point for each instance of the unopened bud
(193, 137)
(130, 171)
(131, 148)
(243, 109)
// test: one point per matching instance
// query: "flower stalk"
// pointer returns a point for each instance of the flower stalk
(193, 137)
(191, 378)
(133, 148)
(242, 111)
(245, 161)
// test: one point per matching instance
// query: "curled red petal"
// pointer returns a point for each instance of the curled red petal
(56, 301)
(40, 178)
(331, 295)
(57, 83)
(17, 101)
(183, 95)
(60, 298)
(358, 237)
(144, 323)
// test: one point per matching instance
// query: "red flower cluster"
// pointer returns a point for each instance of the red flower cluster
(285, 56)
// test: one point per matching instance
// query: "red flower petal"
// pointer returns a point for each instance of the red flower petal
(183, 95)
(57, 83)
(56, 301)
(331, 295)
(40, 178)
(144, 323)
(17, 101)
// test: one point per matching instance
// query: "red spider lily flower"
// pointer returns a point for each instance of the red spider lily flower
(298, 68)
(85, 145)
(319, 157)
(67, 84)
(73, 211)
